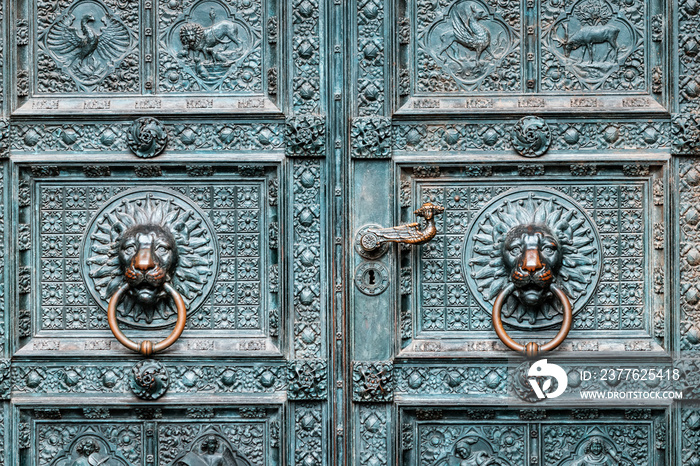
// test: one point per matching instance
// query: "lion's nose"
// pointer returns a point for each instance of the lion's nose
(143, 259)
(531, 261)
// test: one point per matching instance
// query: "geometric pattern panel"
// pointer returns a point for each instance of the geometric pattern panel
(224, 269)
(608, 272)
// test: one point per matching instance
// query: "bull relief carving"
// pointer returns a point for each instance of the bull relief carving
(532, 240)
(88, 42)
(212, 46)
(469, 42)
(153, 241)
(593, 45)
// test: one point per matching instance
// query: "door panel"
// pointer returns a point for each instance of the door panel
(508, 114)
(226, 225)
(531, 436)
(115, 435)
(611, 214)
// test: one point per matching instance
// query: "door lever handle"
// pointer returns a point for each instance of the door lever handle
(372, 240)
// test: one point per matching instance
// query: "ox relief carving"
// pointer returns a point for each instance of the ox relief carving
(467, 45)
(87, 42)
(150, 240)
(532, 239)
(593, 44)
(211, 45)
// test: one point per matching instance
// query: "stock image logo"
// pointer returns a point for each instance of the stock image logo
(541, 376)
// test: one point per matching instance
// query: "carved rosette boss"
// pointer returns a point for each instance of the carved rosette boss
(147, 137)
(305, 136)
(531, 136)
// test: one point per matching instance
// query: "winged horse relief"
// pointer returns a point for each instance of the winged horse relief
(468, 42)
(84, 52)
(468, 32)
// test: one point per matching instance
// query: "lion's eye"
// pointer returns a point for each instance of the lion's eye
(129, 249)
(548, 249)
(514, 250)
(161, 249)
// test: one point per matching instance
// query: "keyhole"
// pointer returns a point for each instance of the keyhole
(371, 277)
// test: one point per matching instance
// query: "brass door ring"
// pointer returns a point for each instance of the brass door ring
(532, 349)
(146, 347)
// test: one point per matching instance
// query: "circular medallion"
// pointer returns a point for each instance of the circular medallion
(539, 221)
(372, 278)
(367, 243)
(531, 136)
(147, 137)
(149, 379)
(183, 253)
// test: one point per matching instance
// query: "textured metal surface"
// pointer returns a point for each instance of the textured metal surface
(275, 131)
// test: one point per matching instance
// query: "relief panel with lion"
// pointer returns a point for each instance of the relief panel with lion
(607, 259)
(224, 239)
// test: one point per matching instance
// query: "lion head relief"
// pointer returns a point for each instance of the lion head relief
(146, 239)
(148, 255)
(533, 239)
(191, 35)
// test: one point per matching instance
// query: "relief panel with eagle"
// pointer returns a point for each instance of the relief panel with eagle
(87, 46)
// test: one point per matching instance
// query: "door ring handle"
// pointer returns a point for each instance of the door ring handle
(147, 347)
(532, 349)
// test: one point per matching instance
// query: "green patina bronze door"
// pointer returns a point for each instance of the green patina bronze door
(363, 232)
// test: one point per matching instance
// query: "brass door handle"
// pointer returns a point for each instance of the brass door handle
(147, 347)
(372, 240)
(532, 349)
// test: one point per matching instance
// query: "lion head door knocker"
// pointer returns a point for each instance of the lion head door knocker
(533, 258)
(149, 256)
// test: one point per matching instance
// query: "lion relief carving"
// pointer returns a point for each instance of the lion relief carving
(212, 43)
(532, 257)
(145, 239)
(148, 256)
(532, 239)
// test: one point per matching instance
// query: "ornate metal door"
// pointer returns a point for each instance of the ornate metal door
(317, 232)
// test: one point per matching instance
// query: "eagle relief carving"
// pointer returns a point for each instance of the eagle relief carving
(87, 42)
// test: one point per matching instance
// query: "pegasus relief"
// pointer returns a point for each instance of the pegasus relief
(468, 32)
